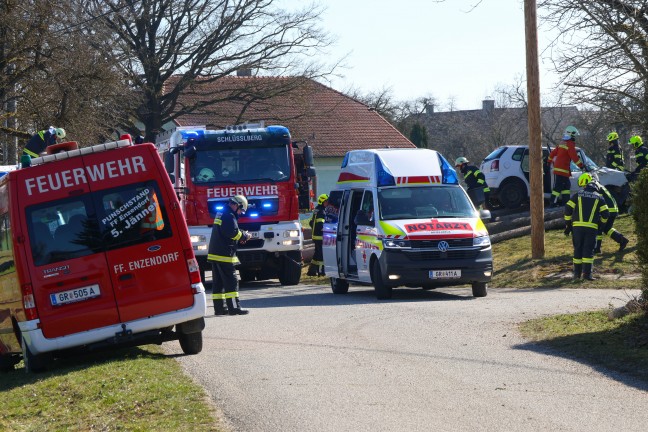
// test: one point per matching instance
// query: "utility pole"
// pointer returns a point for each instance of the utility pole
(535, 130)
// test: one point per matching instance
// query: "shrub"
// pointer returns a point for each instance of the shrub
(640, 217)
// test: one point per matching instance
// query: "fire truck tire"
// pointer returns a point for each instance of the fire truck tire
(479, 289)
(33, 362)
(383, 291)
(290, 272)
(191, 343)
(339, 286)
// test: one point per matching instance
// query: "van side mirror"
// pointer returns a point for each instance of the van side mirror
(310, 172)
(308, 156)
(169, 162)
(485, 215)
(172, 178)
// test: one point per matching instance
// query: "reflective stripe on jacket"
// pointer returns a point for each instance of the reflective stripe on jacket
(561, 157)
(474, 178)
(317, 223)
(586, 208)
(224, 237)
(614, 158)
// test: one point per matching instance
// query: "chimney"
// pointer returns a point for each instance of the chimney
(429, 109)
(488, 105)
(247, 72)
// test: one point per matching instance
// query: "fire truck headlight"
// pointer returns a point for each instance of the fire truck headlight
(291, 233)
(198, 239)
(290, 242)
(202, 247)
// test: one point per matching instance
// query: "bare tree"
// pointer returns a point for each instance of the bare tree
(170, 47)
(602, 54)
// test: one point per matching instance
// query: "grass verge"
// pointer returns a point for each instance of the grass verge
(514, 267)
(135, 389)
(620, 345)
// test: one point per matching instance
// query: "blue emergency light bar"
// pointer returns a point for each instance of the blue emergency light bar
(257, 207)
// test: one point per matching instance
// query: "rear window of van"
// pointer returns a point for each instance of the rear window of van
(96, 222)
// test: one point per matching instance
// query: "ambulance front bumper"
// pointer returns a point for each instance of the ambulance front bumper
(415, 267)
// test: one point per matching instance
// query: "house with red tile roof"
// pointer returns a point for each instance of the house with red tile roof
(331, 122)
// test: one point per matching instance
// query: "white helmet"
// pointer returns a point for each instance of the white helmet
(60, 133)
(240, 201)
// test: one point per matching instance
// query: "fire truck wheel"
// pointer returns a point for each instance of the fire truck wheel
(479, 289)
(33, 362)
(339, 286)
(191, 343)
(383, 291)
(290, 271)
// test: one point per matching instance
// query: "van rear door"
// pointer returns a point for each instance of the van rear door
(72, 290)
(137, 216)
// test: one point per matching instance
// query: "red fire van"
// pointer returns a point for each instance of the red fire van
(94, 252)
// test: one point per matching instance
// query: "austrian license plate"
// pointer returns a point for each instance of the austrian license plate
(445, 274)
(75, 295)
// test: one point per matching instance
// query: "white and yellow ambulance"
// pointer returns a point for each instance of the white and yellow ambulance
(404, 220)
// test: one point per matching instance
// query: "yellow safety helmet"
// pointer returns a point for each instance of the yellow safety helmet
(635, 140)
(240, 201)
(584, 179)
(321, 199)
(612, 136)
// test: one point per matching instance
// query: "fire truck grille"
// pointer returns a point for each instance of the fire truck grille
(252, 244)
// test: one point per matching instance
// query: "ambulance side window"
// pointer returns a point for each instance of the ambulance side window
(365, 215)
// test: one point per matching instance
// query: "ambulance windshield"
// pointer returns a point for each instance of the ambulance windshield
(239, 165)
(424, 202)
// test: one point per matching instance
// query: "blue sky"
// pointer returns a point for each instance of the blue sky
(424, 48)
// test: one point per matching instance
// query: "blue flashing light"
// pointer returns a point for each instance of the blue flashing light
(252, 215)
(187, 134)
(383, 176)
(345, 161)
(267, 205)
(449, 175)
(220, 207)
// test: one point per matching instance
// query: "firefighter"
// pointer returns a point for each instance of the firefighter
(608, 227)
(585, 212)
(474, 179)
(41, 139)
(614, 157)
(641, 155)
(561, 157)
(316, 267)
(223, 243)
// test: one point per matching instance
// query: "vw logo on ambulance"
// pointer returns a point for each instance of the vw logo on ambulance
(443, 246)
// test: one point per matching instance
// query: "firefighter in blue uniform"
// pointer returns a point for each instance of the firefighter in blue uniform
(474, 179)
(641, 155)
(608, 227)
(41, 139)
(614, 157)
(316, 267)
(223, 244)
(585, 212)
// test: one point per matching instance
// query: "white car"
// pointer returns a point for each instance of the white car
(507, 174)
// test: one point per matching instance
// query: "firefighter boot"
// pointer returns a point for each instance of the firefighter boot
(320, 271)
(312, 270)
(234, 307)
(621, 239)
(587, 272)
(578, 270)
(597, 248)
(219, 307)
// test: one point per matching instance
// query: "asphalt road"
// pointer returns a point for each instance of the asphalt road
(307, 360)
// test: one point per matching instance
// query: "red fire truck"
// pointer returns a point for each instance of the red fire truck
(94, 252)
(262, 163)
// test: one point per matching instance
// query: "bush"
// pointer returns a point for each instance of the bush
(640, 216)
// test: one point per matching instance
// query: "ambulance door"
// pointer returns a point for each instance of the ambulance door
(136, 213)
(366, 235)
(67, 267)
(347, 232)
(329, 240)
